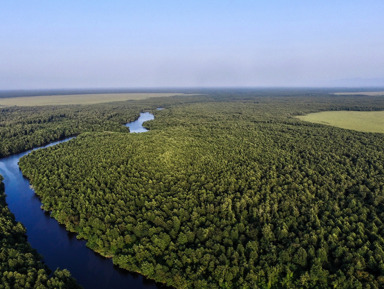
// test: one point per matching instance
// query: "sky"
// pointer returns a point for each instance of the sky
(138, 44)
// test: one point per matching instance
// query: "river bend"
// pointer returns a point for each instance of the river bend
(59, 248)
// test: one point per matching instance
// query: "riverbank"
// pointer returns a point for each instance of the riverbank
(59, 247)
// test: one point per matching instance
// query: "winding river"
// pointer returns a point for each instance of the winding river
(137, 125)
(59, 248)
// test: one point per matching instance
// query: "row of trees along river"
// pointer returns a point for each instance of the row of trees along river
(226, 190)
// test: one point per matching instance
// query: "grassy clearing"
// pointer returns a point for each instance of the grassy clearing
(365, 121)
(78, 98)
(368, 93)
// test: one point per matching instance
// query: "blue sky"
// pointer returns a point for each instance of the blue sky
(91, 44)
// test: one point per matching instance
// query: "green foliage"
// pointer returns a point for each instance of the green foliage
(365, 121)
(20, 265)
(23, 128)
(230, 192)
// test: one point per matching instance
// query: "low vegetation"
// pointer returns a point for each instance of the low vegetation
(365, 121)
(230, 192)
(369, 93)
(78, 98)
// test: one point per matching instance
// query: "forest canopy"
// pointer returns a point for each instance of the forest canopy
(20, 265)
(227, 192)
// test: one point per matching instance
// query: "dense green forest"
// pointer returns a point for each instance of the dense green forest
(22, 128)
(20, 265)
(231, 191)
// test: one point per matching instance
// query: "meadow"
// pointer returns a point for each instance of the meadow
(368, 93)
(364, 121)
(78, 98)
(226, 190)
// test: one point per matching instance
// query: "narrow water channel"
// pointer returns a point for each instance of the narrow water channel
(137, 125)
(59, 248)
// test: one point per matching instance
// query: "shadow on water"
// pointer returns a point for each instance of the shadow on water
(60, 248)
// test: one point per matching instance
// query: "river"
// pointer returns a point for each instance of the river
(137, 125)
(59, 248)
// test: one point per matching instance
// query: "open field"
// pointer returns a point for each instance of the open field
(365, 121)
(368, 93)
(78, 98)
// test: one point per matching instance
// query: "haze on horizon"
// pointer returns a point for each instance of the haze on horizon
(99, 44)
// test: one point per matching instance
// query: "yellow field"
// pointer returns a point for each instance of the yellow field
(365, 121)
(368, 93)
(78, 98)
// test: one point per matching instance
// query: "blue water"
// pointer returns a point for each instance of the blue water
(137, 125)
(58, 247)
